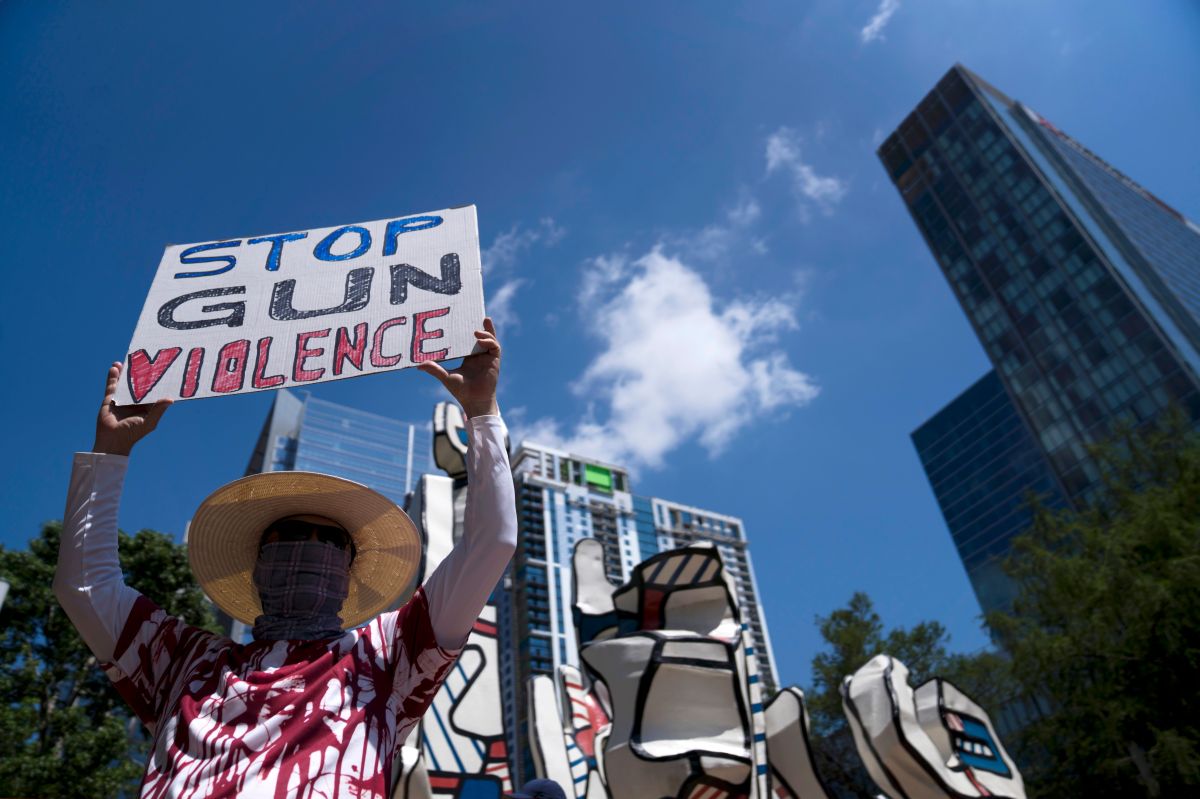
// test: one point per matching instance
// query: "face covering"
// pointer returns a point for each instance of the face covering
(302, 585)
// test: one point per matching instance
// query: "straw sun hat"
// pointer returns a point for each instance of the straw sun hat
(224, 534)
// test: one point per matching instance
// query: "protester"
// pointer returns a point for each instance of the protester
(317, 704)
(539, 789)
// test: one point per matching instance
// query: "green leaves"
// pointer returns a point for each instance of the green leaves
(63, 729)
(1100, 652)
(854, 634)
(1106, 625)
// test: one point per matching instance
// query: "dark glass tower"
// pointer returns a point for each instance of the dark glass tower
(1083, 287)
(982, 464)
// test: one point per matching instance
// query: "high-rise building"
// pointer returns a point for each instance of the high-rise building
(982, 464)
(562, 498)
(1083, 287)
(311, 435)
(303, 433)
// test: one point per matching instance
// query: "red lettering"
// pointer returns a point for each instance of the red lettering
(303, 353)
(145, 372)
(377, 356)
(231, 367)
(191, 373)
(420, 334)
(345, 350)
(260, 380)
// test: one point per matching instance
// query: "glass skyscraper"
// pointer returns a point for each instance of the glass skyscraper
(1083, 287)
(311, 435)
(562, 498)
(983, 464)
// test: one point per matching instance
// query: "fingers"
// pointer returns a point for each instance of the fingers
(156, 412)
(487, 341)
(489, 326)
(436, 369)
(113, 380)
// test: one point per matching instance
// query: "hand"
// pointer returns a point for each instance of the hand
(119, 427)
(473, 383)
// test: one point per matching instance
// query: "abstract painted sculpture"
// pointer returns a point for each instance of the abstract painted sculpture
(930, 743)
(789, 748)
(668, 703)
(671, 704)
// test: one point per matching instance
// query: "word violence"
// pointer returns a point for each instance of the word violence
(315, 351)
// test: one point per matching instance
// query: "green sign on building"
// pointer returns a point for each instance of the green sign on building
(598, 477)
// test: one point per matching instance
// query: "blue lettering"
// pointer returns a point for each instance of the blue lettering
(277, 243)
(322, 250)
(398, 226)
(188, 257)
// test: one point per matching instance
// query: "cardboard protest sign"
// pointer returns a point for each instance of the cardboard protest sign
(251, 314)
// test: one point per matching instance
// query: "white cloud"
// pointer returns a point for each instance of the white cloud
(501, 256)
(507, 246)
(500, 301)
(783, 155)
(602, 272)
(873, 30)
(675, 365)
(745, 212)
(717, 240)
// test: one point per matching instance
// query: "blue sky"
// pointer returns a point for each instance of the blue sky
(698, 262)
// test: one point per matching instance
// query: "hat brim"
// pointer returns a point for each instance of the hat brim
(224, 534)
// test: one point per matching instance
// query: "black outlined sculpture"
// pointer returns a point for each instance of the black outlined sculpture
(668, 704)
(671, 702)
(931, 743)
(789, 749)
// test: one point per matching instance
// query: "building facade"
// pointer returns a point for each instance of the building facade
(561, 499)
(982, 464)
(1083, 287)
(303, 433)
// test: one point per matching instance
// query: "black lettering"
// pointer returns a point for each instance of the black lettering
(237, 310)
(358, 294)
(449, 283)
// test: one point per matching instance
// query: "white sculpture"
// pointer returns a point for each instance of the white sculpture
(672, 703)
(669, 703)
(789, 749)
(931, 743)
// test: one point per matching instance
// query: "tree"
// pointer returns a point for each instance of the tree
(1105, 628)
(64, 731)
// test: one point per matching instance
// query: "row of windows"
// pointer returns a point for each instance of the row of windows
(1103, 379)
(1170, 245)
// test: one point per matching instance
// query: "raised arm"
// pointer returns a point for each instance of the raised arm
(459, 587)
(88, 582)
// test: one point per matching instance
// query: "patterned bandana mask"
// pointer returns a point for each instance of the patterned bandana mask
(302, 585)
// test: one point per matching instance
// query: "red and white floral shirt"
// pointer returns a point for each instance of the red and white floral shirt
(287, 718)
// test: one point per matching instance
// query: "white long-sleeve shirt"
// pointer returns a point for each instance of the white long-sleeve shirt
(257, 715)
